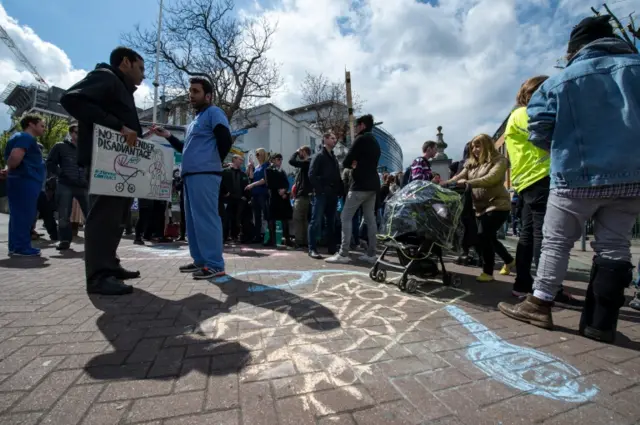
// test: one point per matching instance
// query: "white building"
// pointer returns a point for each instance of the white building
(275, 131)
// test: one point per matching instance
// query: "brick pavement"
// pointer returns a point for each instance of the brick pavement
(291, 341)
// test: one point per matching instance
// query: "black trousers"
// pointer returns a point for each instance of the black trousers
(183, 223)
(46, 210)
(534, 206)
(489, 224)
(234, 217)
(102, 234)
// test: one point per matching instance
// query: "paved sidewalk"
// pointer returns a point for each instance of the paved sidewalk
(289, 340)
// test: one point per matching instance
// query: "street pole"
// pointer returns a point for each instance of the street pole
(347, 76)
(156, 84)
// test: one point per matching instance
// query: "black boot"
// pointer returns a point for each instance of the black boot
(108, 286)
(605, 297)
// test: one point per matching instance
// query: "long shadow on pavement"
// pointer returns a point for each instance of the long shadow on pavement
(123, 323)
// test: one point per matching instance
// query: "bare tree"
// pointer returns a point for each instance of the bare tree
(331, 113)
(201, 38)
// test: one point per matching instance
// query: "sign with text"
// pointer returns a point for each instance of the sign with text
(140, 171)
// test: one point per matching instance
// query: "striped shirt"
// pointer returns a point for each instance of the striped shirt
(421, 170)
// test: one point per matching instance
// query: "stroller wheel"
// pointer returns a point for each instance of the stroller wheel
(373, 274)
(402, 283)
(381, 276)
(412, 286)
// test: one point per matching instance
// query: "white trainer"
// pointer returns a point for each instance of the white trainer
(338, 259)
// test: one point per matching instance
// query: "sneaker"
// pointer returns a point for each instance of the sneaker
(207, 273)
(30, 252)
(484, 278)
(532, 310)
(368, 259)
(506, 269)
(189, 268)
(63, 246)
(314, 254)
(565, 298)
(338, 259)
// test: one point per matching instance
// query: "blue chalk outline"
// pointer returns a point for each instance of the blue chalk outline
(522, 368)
(304, 277)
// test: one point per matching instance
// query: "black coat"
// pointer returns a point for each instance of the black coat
(103, 97)
(279, 208)
(62, 162)
(365, 150)
(324, 174)
(234, 182)
(303, 185)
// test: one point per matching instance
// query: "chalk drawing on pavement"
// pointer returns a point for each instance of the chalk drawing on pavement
(522, 368)
(299, 277)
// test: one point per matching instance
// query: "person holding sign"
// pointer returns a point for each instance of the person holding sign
(105, 97)
(207, 142)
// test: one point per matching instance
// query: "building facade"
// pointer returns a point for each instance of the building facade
(390, 151)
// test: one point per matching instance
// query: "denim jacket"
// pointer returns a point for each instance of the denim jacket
(588, 117)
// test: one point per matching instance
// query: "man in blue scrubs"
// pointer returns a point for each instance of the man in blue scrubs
(206, 144)
(25, 177)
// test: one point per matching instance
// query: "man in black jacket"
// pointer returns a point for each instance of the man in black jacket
(362, 158)
(105, 97)
(301, 159)
(234, 183)
(324, 176)
(71, 183)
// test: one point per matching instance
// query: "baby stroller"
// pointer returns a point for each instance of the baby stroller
(126, 172)
(419, 221)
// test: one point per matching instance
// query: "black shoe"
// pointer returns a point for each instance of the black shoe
(566, 298)
(206, 273)
(314, 254)
(182, 239)
(598, 335)
(165, 240)
(63, 246)
(138, 241)
(125, 274)
(108, 286)
(189, 268)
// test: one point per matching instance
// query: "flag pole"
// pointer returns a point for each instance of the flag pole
(157, 70)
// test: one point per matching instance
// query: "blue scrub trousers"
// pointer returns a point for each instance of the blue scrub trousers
(22, 194)
(204, 226)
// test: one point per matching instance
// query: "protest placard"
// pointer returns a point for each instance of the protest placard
(140, 171)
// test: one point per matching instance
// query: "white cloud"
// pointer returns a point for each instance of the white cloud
(457, 64)
(52, 64)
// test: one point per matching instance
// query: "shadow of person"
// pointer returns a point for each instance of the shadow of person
(303, 310)
(120, 324)
(24, 263)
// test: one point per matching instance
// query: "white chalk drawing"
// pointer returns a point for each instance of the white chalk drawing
(523, 368)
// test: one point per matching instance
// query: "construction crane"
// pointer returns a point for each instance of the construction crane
(6, 39)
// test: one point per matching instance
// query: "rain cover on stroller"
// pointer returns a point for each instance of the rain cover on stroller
(426, 210)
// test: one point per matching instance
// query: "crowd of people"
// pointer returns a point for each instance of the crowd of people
(572, 152)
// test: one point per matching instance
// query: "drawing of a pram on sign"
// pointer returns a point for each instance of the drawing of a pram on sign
(123, 167)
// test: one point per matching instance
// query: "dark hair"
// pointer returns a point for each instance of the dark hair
(29, 119)
(307, 149)
(119, 53)
(276, 156)
(367, 120)
(428, 144)
(72, 126)
(206, 84)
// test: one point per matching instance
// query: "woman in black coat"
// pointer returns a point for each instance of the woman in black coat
(280, 208)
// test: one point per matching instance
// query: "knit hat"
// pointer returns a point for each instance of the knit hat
(588, 30)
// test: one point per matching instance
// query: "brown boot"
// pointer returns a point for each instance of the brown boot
(532, 310)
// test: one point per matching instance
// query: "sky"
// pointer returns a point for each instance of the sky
(417, 64)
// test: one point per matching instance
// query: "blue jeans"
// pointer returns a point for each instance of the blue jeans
(323, 205)
(64, 202)
(260, 206)
(23, 196)
(204, 226)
